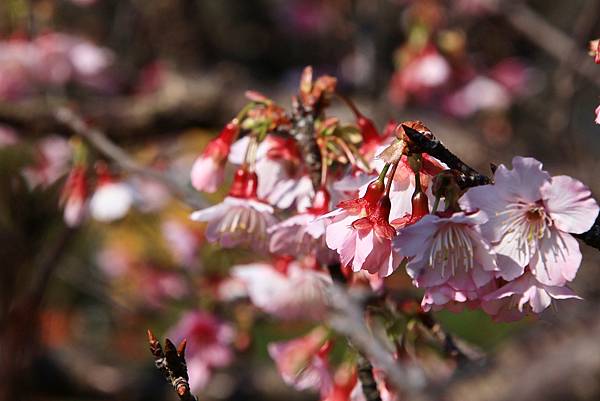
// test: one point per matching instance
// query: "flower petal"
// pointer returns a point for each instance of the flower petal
(570, 204)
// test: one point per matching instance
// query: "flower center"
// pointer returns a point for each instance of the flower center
(452, 249)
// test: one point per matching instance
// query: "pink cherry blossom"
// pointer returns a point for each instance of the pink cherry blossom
(302, 234)
(531, 216)
(208, 345)
(294, 293)
(53, 154)
(8, 136)
(302, 362)
(523, 296)
(424, 72)
(241, 218)
(182, 240)
(281, 180)
(208, 169)
(74, 197)
(157, 286)
(597, 111)
(360, 232)
(448, 256)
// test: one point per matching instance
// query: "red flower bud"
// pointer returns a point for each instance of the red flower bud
(420, 205)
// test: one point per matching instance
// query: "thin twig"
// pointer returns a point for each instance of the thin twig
(101, 142)
(428, 143)
(347, 319)
(171, 363)
(550, 39)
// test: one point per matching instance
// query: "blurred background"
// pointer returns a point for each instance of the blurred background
(491, 78)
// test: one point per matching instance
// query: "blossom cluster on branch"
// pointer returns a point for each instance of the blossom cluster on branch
(310, 192)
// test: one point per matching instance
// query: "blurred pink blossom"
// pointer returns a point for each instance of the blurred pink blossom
(208, 345)
(296, 292)
(302, 362)
(8, 136)
(51, 160)
(182, 241)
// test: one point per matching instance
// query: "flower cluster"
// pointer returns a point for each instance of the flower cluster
(309, 192)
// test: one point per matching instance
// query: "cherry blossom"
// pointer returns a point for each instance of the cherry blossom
(290, 292)
(521, 296)
(302, 234)
(531, 216)
(74, 196)
(360, 232)
(241, 218)
(112, 199)
(208, 169)
(208, 345)
(302, 362)
(447, 256)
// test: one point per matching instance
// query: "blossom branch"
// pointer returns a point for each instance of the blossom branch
(109, 149)
(367, 379)
(171, 363)
(469, 177)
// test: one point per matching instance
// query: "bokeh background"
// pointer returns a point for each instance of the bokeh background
(491, 78)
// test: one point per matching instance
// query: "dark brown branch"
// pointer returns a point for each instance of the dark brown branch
(171, 363)
(367, 379)
(592, 237)
(428, 143)
(183, 101)
(451, 347)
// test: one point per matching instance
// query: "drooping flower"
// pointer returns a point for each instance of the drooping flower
(74, 196)
(282, 180)
(241, 218)
(448, 256)
(419, 75)
(525, 295)
(302, 235)
(112, 199)
(290, 292)
(597, 111)
(208, 169)
(208, 345)
(302, 362)
(360, 232)
(531, 216)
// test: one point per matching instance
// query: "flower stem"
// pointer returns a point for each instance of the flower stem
(388, 185)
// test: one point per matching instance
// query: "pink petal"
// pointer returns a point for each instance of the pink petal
(557, 260)
(538, 299)
(338, 230)
(570, 204)
(364, 246)
(524, 180)
(410, 240)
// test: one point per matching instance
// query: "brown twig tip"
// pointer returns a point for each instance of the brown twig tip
(181, 347)
(171, 364)
(151, 337)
